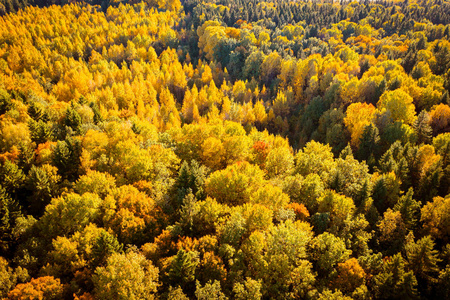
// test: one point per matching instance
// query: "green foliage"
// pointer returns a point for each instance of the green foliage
(105, 245)
(43, 182)
(190, 177)
(422, 257)
(315, 158)
(66, 157)
(183, 266)
(12, 177)
(409, 208)
(73, 120)
(95, 182)
(394, 281)
(40, 131)
(338, 208)
(9, 211)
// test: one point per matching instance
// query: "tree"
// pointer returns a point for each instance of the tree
(392, 232)
(95, 182)
(435, 216)
(338, 208)
(368, 144)
(10, 277)
(271, 197)
(126, 276)
(40, 131)
(46, 287)
(350, 275)
(66, 157)
(210, 291)
(423, 259)
(422, 127)
(358, 116)
(248, 290)
(279, 162)
(183, 267)
(326, 252)
(69, 213)
(399, 105)
(12, 177)
(5, 101)
(440, 119)
(132, 215)
(409, 209)
(314, 158)
(105, 245)
(235, 184)
(285, 260)
(394, 281)
(211, 267)
(349, 177)
(304, 190)
(329, 295)
(73, 119)
(42, 182)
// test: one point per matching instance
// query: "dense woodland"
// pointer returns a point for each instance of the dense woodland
(228, 149)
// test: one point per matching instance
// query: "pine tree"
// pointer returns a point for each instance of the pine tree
(73, 119)
(9, 212)
(422, 127)
(409, 208)
(105, 245)
(182, 269)
(423, 258)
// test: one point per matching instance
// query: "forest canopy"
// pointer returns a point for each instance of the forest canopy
(224, 149)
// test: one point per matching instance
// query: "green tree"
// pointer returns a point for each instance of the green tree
(40, 131)
(338, 207)
(66, 157)
(73, 120)
(11, 177)
(368, 145)
(190, 176)
(5, 101)
(394, 281)
(326, 252)
(105, 245)
(9, 212)
(43, 183)
(409, 208)
(423, 259)
(314, 158)
(279, 162)
(182, 268)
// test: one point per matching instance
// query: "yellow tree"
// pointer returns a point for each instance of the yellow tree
(399, 105)
(358, 116)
